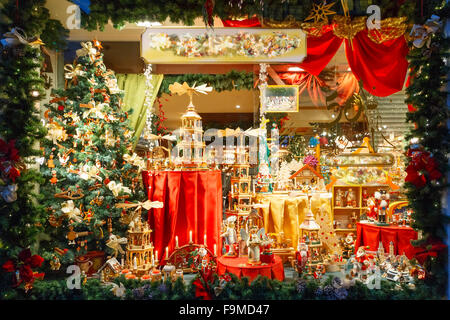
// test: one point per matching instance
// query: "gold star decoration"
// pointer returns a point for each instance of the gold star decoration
(320, 12)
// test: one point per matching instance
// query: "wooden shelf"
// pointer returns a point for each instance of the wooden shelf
(344, 230)
(342, 208)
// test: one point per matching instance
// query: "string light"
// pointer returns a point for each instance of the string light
(147, 100)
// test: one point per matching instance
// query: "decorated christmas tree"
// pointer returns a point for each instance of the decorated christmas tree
(89, 166)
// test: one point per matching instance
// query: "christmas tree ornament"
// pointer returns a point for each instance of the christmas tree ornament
(9, 192)
(320, 12)
(53, 179)
(55, 263)
(71, 212)
(114, 243)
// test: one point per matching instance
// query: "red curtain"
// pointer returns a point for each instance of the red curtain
(371, 235)
(382, 67)
(246, 23)
(320, 51)
(192, 202)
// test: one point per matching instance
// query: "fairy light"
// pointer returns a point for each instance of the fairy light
(147, 101)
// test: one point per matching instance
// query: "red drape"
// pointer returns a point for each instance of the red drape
(381, 67)
(192, 202)
(246, 23)
(370, 235)
(320, 51)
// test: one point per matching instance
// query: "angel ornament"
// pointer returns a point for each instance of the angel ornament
(114, 243)
(255, 240)
(230, 236)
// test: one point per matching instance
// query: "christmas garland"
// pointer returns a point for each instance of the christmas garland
(428, 141)
(278, 12)
(233, 80)
(227, 287)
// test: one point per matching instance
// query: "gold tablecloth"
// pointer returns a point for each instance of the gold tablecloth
(285, 214)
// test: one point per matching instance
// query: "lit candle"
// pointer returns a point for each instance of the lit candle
(215, 249)
(156, 255)
(190, 236)
(176, 241)
(204, 239)
(153, 260)
(167, 252)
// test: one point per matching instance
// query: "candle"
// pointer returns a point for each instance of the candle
(215, 249)
(190, 236)
(167, 252)
(135, 263)
(153, 260)
(156, 255)
(176, 241)
(121, 262)
(204, 239)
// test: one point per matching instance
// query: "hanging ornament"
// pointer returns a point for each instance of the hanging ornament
(55, 222)
(9, 193)
(50, 162)
(117, 188)
(114, 243)
(70, 211)
(320, 12)
(55, 264)
(53, 179)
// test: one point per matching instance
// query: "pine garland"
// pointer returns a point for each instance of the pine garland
(233, 80)
(22, 87)
(120, 12)
(428, 96)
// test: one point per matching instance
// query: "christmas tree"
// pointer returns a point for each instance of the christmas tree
(88, 167)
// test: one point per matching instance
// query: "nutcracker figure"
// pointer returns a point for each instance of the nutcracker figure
(230, 236)
(382, 203)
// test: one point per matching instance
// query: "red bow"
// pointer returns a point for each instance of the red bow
(202, 288)
(429, 249)
(26, 262)
(421, 162)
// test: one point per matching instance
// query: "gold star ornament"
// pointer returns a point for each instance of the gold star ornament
(320, 12)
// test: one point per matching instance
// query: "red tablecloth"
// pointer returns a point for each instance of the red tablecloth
(371, 235)
(192, 202)
(240, 268)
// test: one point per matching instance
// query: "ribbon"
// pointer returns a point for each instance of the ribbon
(72, 213)
(135, 160)
(116, 188)
(95, 111)
(147, 205)
(73, 71)
(87, 49)
(56, 132)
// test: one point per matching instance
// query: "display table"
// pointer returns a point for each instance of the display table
(192, 202)
(240, 268)
(370, 235)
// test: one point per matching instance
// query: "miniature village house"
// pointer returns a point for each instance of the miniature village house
(306, 176)
(110, 270)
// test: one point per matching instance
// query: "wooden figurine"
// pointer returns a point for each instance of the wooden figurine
(351, 198)
(339, 198)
